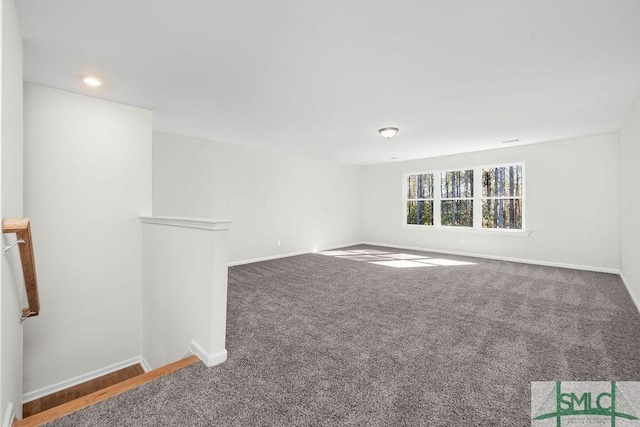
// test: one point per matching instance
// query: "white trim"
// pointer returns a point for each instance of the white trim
(62, 385)
(476, 199)
(494, 231)
(201, 223)
(145, 365)
(442, 251)
(9, 415)
(502, 258)
(477, 190)
(208, 359)
(635, 299)
(437, 205)
(287, 255)
(267, 258)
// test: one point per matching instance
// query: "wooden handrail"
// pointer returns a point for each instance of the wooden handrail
(22, 228)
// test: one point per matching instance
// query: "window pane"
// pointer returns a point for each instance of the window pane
(425, 191)
(420, 212)
(411, 190)
(457, 213)
(420, 186)
(457, 184)
(502, 213)
(504, 181)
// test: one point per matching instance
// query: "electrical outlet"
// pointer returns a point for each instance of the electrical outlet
(278, 242)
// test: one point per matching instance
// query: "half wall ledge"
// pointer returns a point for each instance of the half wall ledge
(184, 288)
(201, 223)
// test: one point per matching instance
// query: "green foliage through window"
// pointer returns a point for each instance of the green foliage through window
(502, 197)
(420, 212)
(502, 213)
(456, 184)
(456, 207)
(420, 199)
(457, 213)
(447, 198)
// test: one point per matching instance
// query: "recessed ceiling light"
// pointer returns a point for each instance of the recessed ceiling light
(92, 81)
(388, 132)
(510, 141)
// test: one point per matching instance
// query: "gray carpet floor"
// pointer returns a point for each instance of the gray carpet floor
(336, 340)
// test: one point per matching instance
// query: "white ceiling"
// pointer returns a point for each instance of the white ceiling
(319, 78)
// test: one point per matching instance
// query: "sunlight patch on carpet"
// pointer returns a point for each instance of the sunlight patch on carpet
(392, 259)
(400, 263)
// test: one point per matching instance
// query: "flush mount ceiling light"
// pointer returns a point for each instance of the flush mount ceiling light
(92, 81)
(388, 132)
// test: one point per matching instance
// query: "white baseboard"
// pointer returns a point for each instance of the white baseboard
(635, 299)
(145, 365)
(9, 415)
(208, 359)
(440, 251)
(62, 385)
(287, 255)
(501, 258)
(267, 258)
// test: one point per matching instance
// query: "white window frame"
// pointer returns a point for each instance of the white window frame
(477, 199)
(407, 199)
(522, 197)
(445, 199)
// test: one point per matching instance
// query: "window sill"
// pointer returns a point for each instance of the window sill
(494, 231)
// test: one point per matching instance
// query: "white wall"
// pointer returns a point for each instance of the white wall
(576, 224)
(184, 291)
(11, 294)
(87, 179)
(271, 196)
(630, 201)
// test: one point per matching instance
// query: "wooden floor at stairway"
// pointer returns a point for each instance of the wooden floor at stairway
(98, 396)
(75, 392)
